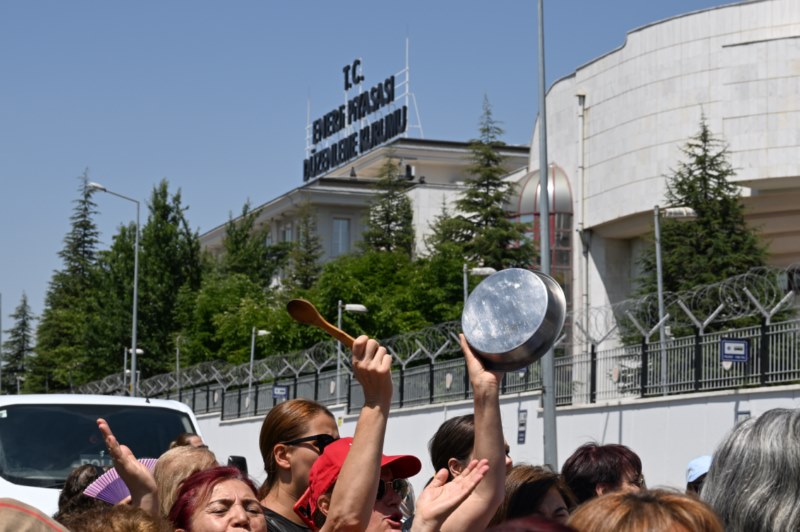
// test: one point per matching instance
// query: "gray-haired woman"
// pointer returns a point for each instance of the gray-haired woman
(754, 480)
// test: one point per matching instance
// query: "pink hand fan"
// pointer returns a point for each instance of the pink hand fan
(109, 487)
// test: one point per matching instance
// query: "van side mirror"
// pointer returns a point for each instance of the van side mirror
(239, 462)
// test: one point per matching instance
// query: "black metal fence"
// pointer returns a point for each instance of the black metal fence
(678, 366)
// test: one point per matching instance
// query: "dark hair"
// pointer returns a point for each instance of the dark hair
(592, 464)
(287, 421)
(454, 439)
(71, 500)
(652, 510)
(182, 440)
(526, 486)
(196, 489)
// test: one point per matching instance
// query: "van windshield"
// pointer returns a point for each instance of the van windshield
(41, 444)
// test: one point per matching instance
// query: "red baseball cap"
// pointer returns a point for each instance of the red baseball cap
(326, 470)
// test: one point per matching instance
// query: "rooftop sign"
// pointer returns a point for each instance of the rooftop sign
(345, 132)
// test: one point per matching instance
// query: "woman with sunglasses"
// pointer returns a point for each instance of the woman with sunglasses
(293, 438)
(293, 435)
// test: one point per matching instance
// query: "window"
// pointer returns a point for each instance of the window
(40, 444)
(340, 243)
(286, 234)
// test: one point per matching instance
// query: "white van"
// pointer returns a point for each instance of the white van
(44, 437)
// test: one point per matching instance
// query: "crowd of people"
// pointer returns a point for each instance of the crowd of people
(319, 481)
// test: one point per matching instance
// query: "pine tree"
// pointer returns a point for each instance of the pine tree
(717, 244)
(390, 220)
(169, 260)
(490, 238)
(245, 247)
(305, 267)
(18, 348)
(445, 233)
(64, 331)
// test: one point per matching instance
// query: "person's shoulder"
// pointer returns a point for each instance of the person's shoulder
(278, 523)
(16, 515)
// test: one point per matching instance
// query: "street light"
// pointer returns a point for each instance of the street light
(349, 307)
(255, 332)
(125, 371)
(678, 213)
(480, 272)
(178, 364)
(101, 188)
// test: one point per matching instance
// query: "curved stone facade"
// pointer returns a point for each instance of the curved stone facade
(616, 126)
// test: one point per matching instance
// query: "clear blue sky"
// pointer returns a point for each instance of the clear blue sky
(212, 95)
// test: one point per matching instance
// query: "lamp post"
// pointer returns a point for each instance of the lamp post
(349, 307)
(125, 371)
(481, 272)
(255, 332)
(101, 188)
(178, 364)
(679, 213)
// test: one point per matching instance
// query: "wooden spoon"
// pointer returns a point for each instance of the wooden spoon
(305, 312)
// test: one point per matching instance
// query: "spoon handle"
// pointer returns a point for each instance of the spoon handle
(337, 333)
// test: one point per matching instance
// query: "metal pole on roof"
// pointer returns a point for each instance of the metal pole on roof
(548, 361)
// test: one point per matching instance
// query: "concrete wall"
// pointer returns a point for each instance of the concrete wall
(666, 433)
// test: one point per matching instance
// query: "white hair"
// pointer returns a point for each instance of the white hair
(754, 480)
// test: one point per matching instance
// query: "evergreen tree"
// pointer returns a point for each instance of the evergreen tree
(18, 348)
(445, 233)
(115, 298)
(169, 260)
(64, 332)
(390, 220)
(717, 244)
(305, 267)
(490, 238)
(245, 248)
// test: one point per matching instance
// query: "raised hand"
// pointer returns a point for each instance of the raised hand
(140, 480)
(440, 498)
(372, 367)
(479, 376)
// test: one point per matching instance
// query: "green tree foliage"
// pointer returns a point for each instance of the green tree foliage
(390, 219)
(219, 295)
(445, 233)
(382, 281)
(114, 295)
(717, 244)
(66, 348)
(245, 248)
(18, 348)
(169, 260)
(304, 265)
(490, 238)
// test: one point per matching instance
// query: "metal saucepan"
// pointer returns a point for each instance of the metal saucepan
(513, 317)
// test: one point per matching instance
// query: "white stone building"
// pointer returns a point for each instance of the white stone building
(616, 126)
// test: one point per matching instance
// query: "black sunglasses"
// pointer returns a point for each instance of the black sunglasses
(319, 441)
(399, 485)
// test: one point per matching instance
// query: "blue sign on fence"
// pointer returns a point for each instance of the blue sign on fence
(734, 349)
(280, 392)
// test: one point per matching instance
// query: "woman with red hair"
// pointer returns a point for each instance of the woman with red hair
(216, 500)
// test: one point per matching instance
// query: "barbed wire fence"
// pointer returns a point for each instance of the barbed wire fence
(760, 294)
